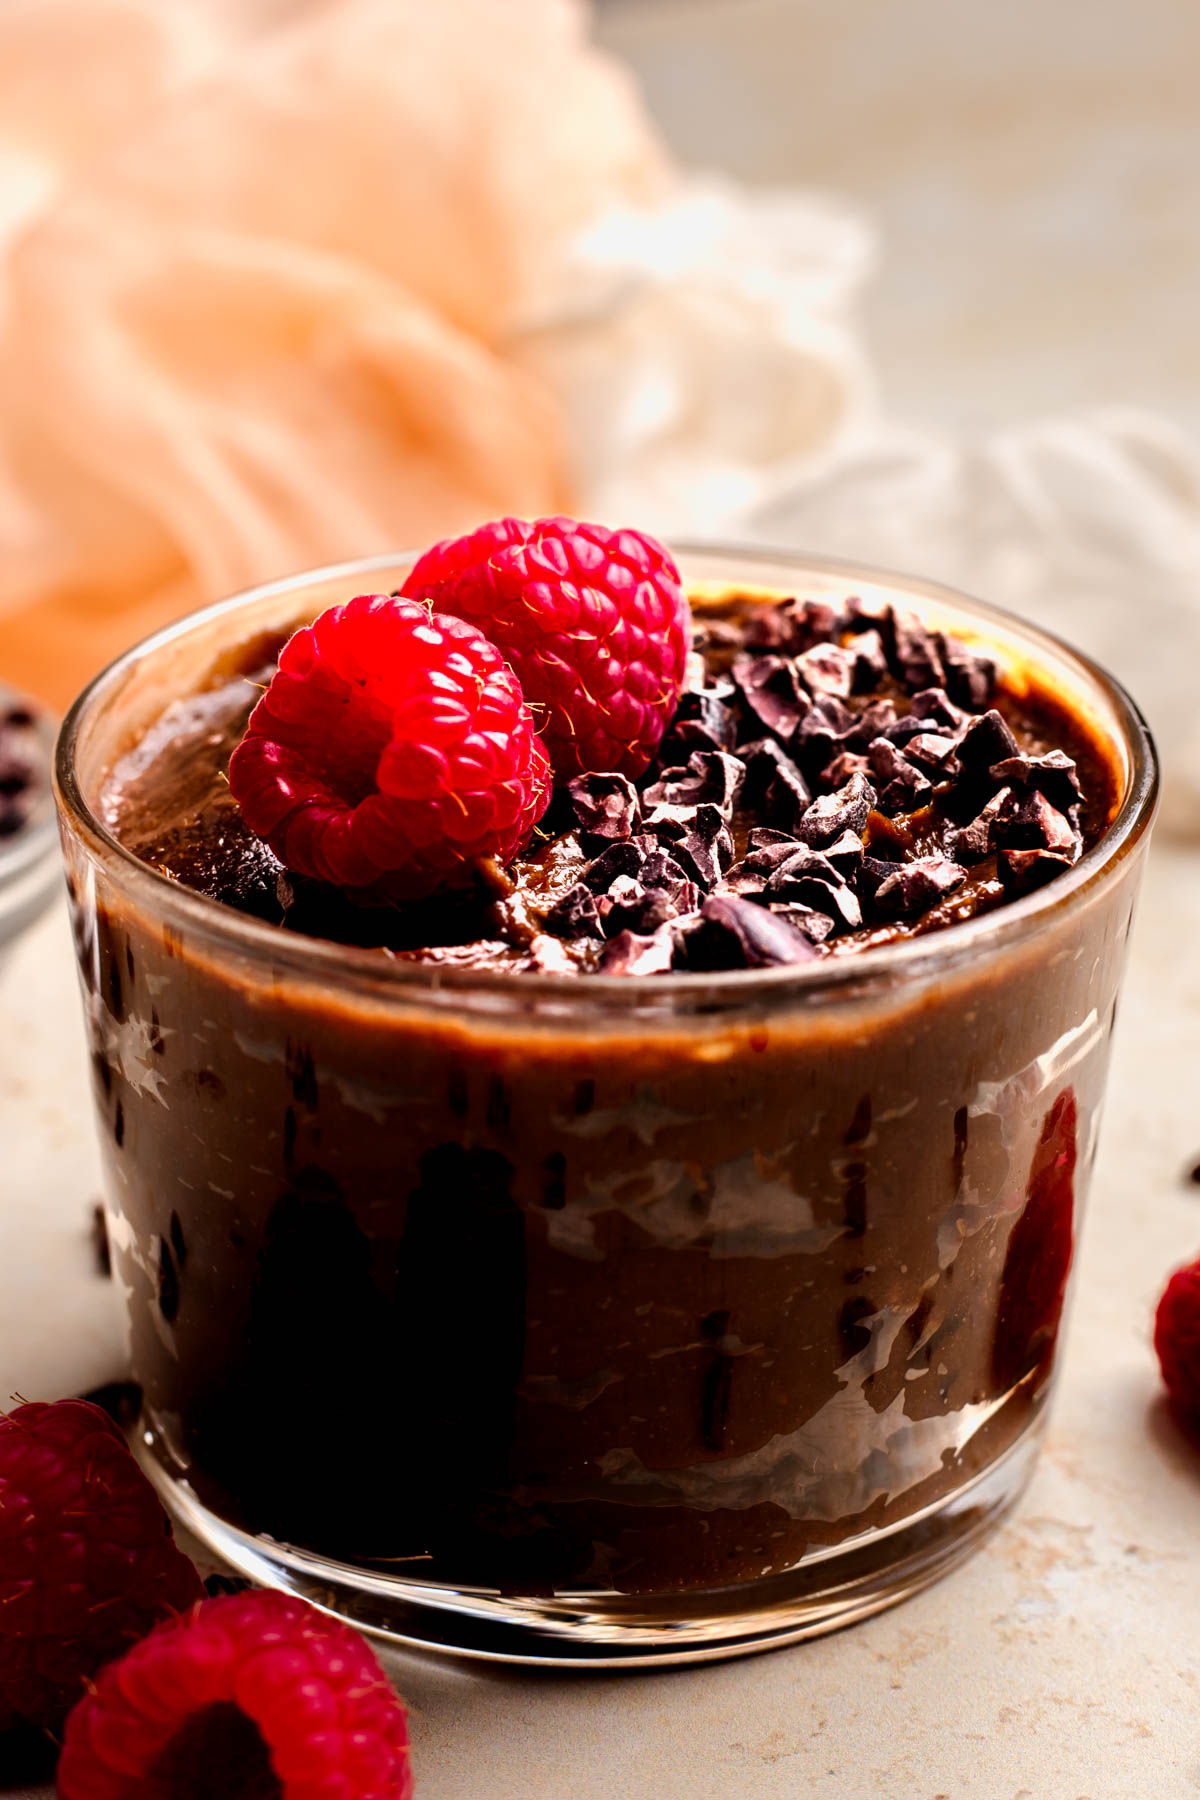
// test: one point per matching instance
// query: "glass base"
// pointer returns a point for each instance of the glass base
(604, 1630)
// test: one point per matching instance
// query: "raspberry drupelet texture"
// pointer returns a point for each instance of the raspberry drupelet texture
(254, 1694)
(595, 623)
(1177, 1342)
(391, 752)
(87, 1561)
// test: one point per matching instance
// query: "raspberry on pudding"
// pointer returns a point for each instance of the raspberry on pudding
(665, 1223)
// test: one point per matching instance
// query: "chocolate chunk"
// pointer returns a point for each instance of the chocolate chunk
(971, 843)
(821, 732)
(899, 786)
(704, 721)
(846, 853)
(792, 626)
(1024, 870)
(706, 851)
(575, 914)
(870, 662)
(631, 954)
(914, 887)
(876, 720)
(667, 823)
(935, 705)
(661, 871)
(625, 858)
(915, 656)
(770, 688)
(827, 669)
(1033, 824)
(873, 871)
(1053, 775)
(816, 926)
(751, 875)
(933, 754)
(606, 806)
(764, 836)
(774, 785)
(711, 776)
(830, 815)
(970, 678)
(903, 728)
(736, 934)
(846, 764)
(986, 741)
(811, 879)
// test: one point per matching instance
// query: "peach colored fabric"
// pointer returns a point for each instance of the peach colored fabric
(261, 262)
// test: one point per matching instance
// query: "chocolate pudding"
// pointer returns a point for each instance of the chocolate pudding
(684, 1204)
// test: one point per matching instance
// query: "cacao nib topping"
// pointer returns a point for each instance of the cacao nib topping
(875, 720)
(575, 914)
(1053, 775)
(662, 871)
(1024, 870)
(816, 926)
(870, 662)
(813, 881)
(986, 741)
(771, 690)
(827, 669)
(917, 661)
(774, 785)
(900, 786)
(970, 679)
(914, 887)
(711, 776)
(935, 705)
(706, 850)
(845, 764)
(971, 843)
(735, 934)
(932, 753)
(1036, 825)
(705, 720)
(629, 953)
(619, 859)
(831, 815)
(873, 872)
(821, 731)
(605, 806)
(846, 853)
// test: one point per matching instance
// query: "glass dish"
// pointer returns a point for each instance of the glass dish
(596, 1321)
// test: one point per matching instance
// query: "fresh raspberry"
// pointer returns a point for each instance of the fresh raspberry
(392, 751)
(1033, 1286)
(595, 623)
(1177, 1341)
(87, 1561)
(254, 1696)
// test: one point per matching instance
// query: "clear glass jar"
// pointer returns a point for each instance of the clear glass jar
(593, 1321)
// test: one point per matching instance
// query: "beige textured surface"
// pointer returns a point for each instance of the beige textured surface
(1063, 1663)
(1034, 169)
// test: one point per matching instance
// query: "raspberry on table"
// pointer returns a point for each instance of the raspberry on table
(392, 751)
(1177, 1342)
(87, 1560)
(595, 623)
(255, 1696)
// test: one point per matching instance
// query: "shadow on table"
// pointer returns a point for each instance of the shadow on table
(25, 1756)
(1171, 1439)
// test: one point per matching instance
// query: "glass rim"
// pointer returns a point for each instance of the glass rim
(945, 948)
